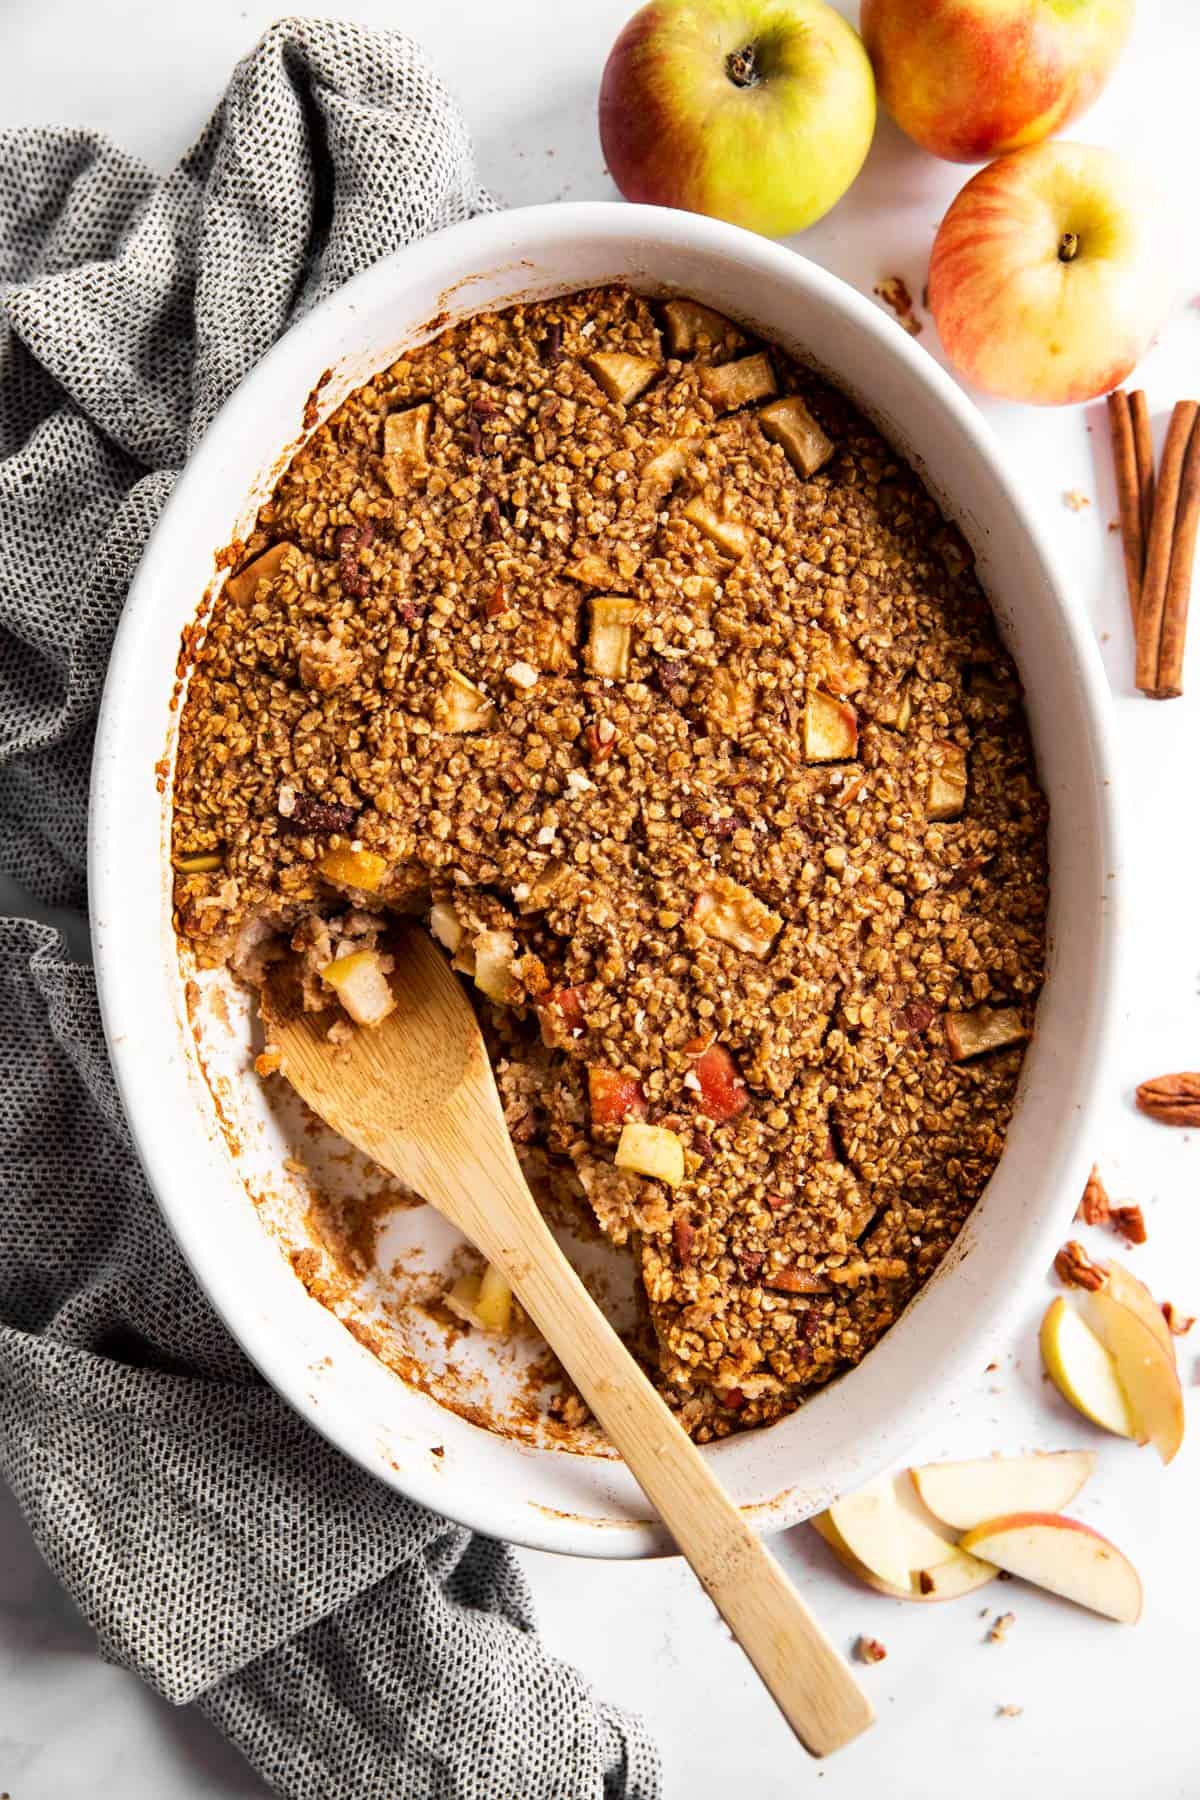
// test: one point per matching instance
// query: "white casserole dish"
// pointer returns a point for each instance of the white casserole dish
(178, 1083)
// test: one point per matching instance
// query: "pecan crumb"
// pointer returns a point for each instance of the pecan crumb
(1171, 1099)
(1076, 501)
(1075, 1267)
(1001, 1626)
(870, 1650)
(1128, 1220)
(1178, 1324)
(1009, 1712)
(893, 291)
(1094, 1208)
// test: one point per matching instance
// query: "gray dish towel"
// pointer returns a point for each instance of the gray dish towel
(353, 1645)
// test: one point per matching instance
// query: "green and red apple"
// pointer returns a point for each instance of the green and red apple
(756, 111)
(1050, 274)
(969, 79)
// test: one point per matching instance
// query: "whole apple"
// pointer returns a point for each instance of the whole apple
(968, 79)
(1050, 274)
(756, 111)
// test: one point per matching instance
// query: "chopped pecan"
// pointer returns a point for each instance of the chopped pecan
(322, 816)
(1171, 1099)
(350, 540)
(702, 1144)
(967, 870)
(670, 674)
(550, 347)
(1178, 1324)
(1002, 1624)
(724, 827)
(751, 1262)
(685, 1236)
(1094, 1208)
(490, 520)
(1075, 1267)
(600, 740)
(409, 612)
(1128, 1220)
(870, 1650)
(916, 1017)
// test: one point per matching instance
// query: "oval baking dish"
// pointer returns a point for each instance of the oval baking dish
(219, 1156)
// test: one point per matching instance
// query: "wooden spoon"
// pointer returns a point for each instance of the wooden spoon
(417, 1095)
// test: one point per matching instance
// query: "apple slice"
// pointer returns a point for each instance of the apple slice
(963, 1575)
(964, 1494)
(889, 1529)
(1083, 1371)
(1145, 1368)
(1065, 1557)
(1122, 1286)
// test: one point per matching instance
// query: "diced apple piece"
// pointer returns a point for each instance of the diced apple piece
(895, 709)
(1083, 1371)
(789, 424)
(830, 728)
(462, 706)
(722, 1092)
(665, 467)
(445, 925)
(495, 953)
(1145, 1368)
(591, 571)
(731, 384)
(623, 377)
(244, 584)
(842, 672)
(730, 702)
(694, 328)
(614, 1097)
(947, 792)
(726, 910)
(610, 636)
(562, 1008)
(889, 1529)
(730, 538)
(361, 984)
(362, 869)
(965, 1575)
(484, 1301)
(965, 1494)
(651, 1150)
(986, 1028)
(1065, 1558)
(202, 862)
(406, 434)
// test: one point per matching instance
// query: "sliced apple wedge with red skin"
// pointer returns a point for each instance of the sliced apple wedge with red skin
(886, 1526)
(950, 1580)
(1145, 1367)
(965, 1494)
(1063, 1556)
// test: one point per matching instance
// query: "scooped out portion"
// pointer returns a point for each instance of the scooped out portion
(622, 651)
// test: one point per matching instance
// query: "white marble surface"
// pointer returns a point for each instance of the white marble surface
(1106, 1712)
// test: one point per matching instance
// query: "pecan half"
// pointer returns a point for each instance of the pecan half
(1129, 1222)
(1171, 1099)
(1094, 1208)
(1074, 1266)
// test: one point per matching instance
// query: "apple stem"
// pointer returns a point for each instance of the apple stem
(1068, 246)
(741, 66)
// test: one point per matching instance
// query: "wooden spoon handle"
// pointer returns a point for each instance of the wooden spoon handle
(805, 1675)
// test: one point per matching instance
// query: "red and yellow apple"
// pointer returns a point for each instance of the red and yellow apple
(969, 79)
(756, 111)
(1050, 274)
(1063, 1556)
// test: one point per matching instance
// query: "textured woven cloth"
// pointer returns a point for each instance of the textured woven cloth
(353, 1645)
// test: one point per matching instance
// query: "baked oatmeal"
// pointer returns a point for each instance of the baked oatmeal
(614, 643)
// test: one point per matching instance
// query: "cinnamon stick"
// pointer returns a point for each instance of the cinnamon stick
(1143, 445)
(1179, 578)
(1156, 578)
(1129, 502)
